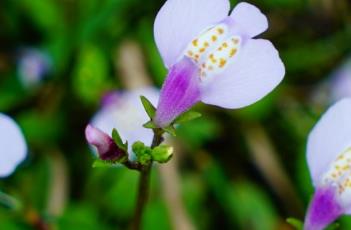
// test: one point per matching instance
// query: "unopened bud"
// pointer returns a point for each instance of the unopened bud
(106, 147)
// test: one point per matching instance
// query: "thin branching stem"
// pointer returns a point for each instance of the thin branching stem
(144, 184)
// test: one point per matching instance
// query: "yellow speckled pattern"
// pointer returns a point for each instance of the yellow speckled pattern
(339, 174)
(213, 50)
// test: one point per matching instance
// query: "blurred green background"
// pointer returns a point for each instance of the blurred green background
(242, 169)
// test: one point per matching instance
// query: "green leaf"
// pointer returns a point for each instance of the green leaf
(98, 163)
(298, 224)
(187, 116)
(170, 129)
(118, 140)
(149, 108)
(162, 153)
(150, 125)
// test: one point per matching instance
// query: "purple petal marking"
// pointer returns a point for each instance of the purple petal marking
(179, 93)
(107, 148)
(323, 210)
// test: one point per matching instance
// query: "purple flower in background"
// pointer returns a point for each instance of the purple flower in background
(125, 112)
(329, 161)
(33, 65)
(212, 57)
(13, 148)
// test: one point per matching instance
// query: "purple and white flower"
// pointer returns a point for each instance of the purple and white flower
(212, 57)
(329, 161)
(13, 147)
(124, 112)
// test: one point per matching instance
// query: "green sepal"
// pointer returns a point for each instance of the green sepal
(298, 224)
(150, 125)
(162, 153)
(170, 129)
(118, 140)
(142, 152)
(187, 116)
(98, 163)
(148, 106)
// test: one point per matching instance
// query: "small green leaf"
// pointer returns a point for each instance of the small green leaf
(118, 140)
(298, 224)
(150, 125)
(170, 129)
(98, 163)
(149, 108)
(187, 116)
(162, 153)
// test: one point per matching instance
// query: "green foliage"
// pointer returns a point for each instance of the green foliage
(297, 224)
(118, 140)
(91, 74)
(148, 106)
(186, 117)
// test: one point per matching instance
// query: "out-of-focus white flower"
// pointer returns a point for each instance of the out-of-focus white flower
(125, 112)
(341, 82)
(13, 148)
(33, 65)
(336, 87)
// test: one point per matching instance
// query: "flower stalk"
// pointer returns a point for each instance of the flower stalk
(144, 183)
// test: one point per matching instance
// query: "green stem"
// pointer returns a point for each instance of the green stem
(144, 184)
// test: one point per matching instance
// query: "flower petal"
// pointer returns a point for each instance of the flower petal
(329, 138)
(13, 146)
(256, 71)
(180, 21)
(250, 19)
(179, 92)
(323, 209)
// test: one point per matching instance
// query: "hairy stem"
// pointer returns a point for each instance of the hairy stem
(144, 184)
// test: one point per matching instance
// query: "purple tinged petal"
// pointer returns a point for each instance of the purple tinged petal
(329, 138)
(257, 70)
(13, 147)
(248, 20)
(180, 21)
(179, 92)
(323, 209)
(107, 148)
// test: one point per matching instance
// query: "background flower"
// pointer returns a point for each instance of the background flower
(125, 112)
(13, 148)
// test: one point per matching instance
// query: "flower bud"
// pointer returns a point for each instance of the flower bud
(106, 147)
(162, 153)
